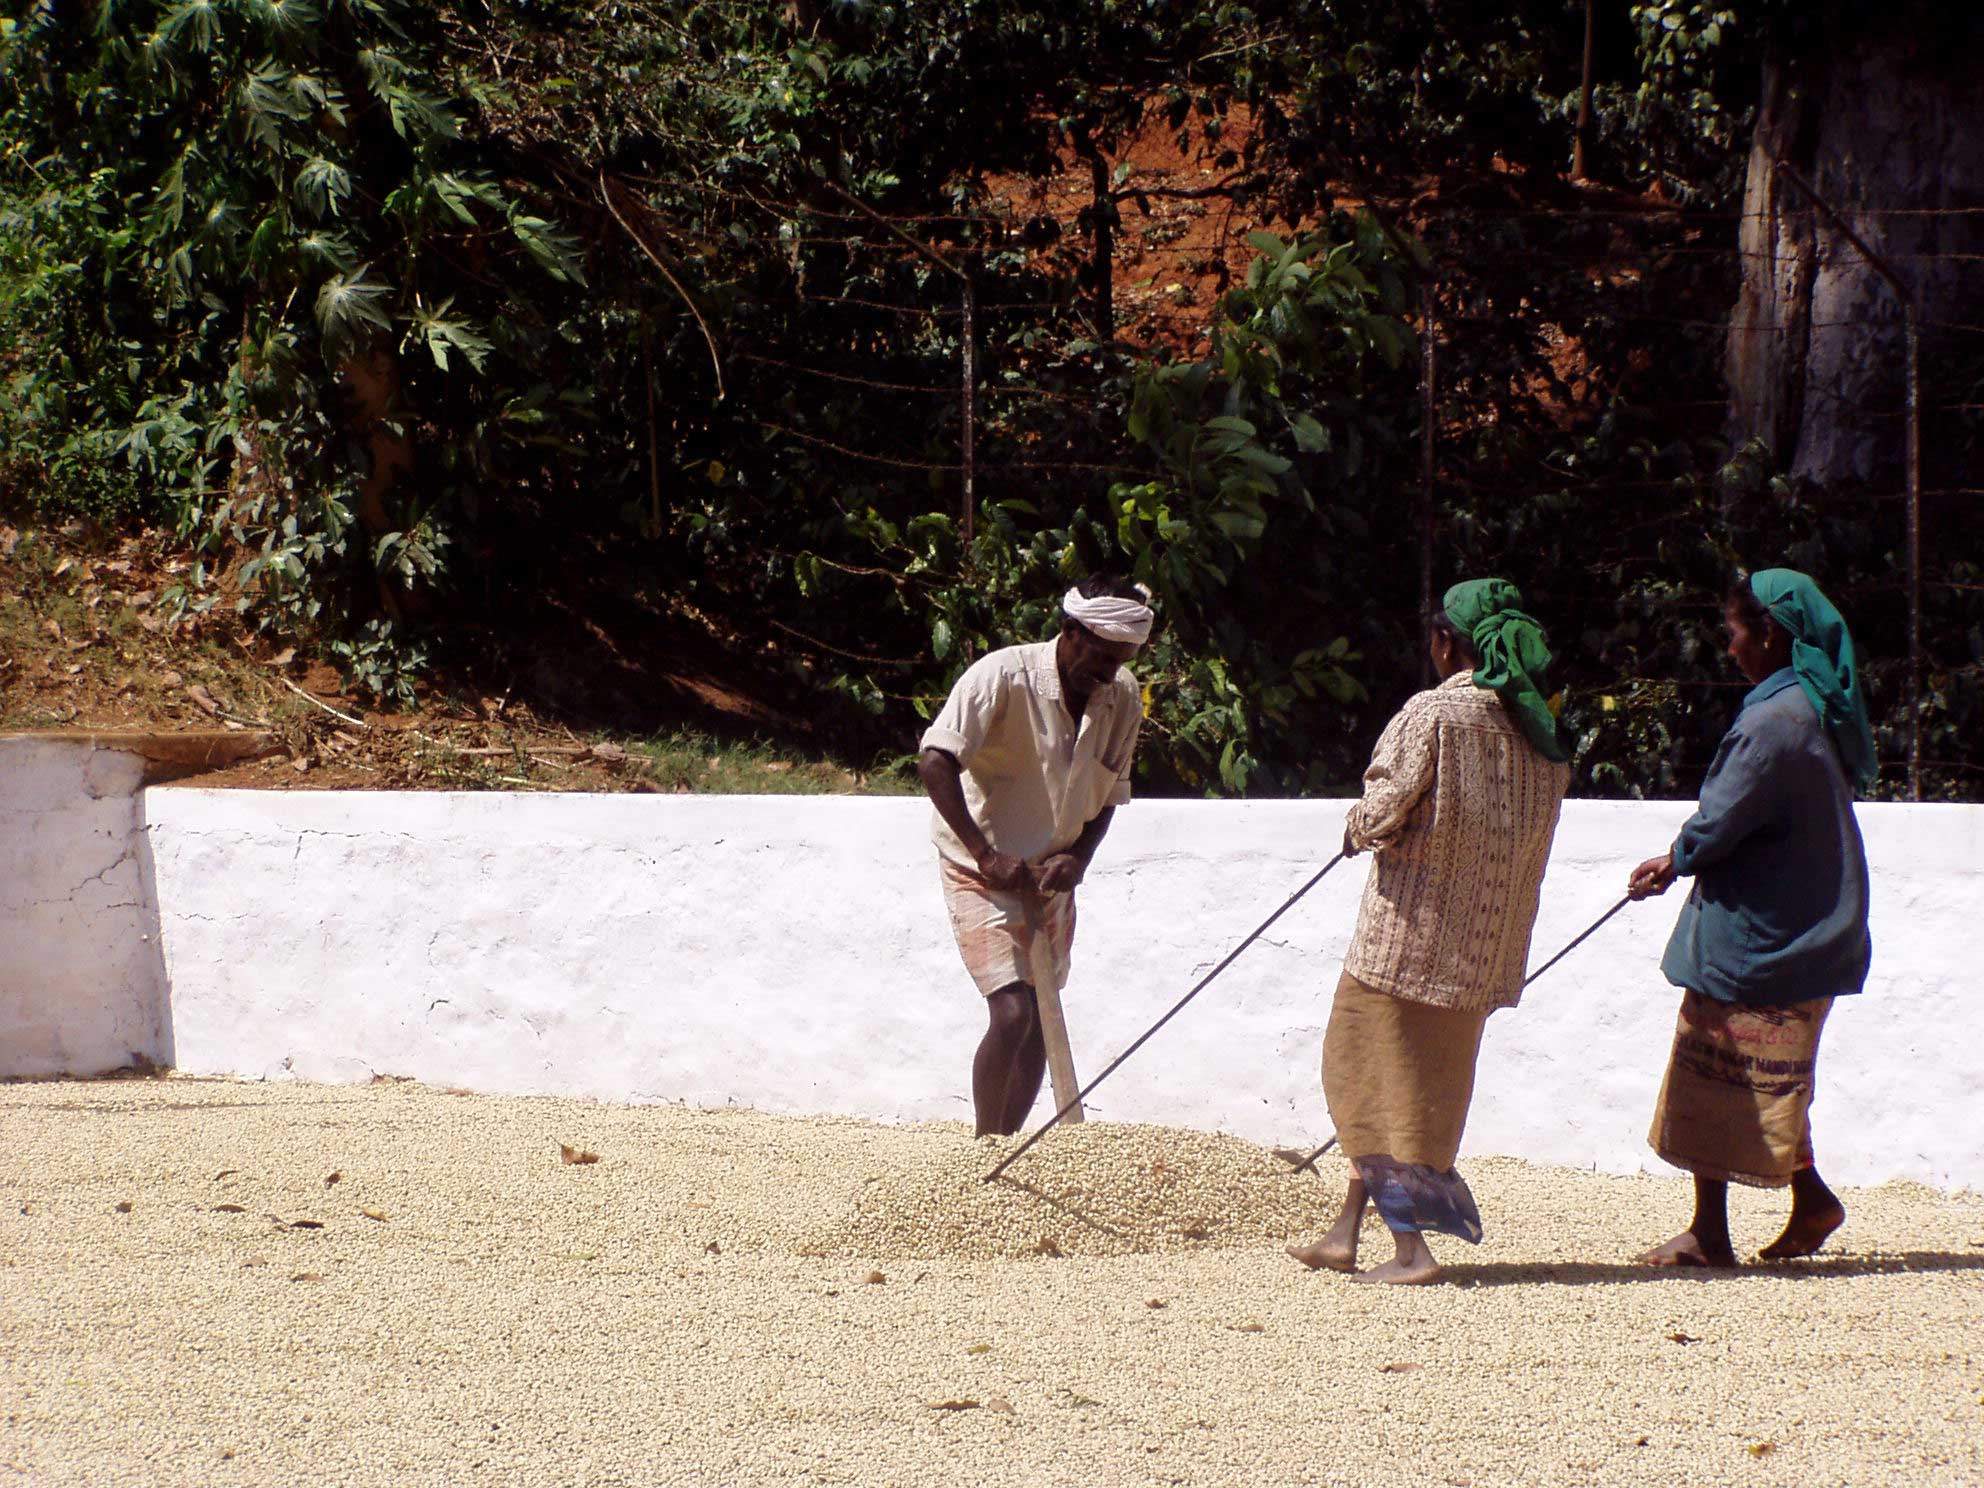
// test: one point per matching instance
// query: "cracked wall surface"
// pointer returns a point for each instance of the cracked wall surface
(81, 977)
(791, 954)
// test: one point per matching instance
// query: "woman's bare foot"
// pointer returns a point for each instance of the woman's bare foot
(1413, 1265)
(1337, 1250)
(1422, 1270)
(1815, 1213)
(1684, 1250)
(1327, 1254)
(1805, 1232)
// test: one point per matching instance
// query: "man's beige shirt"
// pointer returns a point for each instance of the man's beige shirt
(1033, 776)
(1460, 810)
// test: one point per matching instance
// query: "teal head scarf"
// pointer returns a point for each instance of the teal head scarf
(1513, 656)
(1822, 656)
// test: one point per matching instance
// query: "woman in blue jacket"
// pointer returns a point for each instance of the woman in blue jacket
(1776, 925)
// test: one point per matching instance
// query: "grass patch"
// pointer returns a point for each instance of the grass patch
(694, 762)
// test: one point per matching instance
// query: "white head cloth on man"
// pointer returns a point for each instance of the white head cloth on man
(1109, 618)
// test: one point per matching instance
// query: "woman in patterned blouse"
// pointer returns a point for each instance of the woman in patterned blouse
(1459, 809)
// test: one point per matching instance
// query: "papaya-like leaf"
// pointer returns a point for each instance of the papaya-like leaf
(556, 250)
(442, 334)
(322, 186)
(192, 23)
(349, 308)
(286, 17)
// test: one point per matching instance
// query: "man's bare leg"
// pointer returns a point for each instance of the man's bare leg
(1413, 1265)
(1029, 1069)
(1009, 1022)
(1337, 1250)
(1815, 1213)
(1705, 1242)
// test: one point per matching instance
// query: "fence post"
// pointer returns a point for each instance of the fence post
(970, 412)
(654, 436)
(1426, 414)
(1583, 143)
(1913, 337)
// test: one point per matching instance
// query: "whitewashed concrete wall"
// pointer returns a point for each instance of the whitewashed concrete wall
(791, 954)
(82, 983)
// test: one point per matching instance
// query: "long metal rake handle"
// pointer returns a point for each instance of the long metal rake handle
(1596, 925)
(1176, 1008)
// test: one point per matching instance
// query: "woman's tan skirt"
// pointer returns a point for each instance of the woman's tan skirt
(1004, 939)
(1737, 1101)
(1398, 1077)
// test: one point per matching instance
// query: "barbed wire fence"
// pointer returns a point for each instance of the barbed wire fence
(957, 326)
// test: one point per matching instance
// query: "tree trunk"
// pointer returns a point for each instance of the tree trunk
(1099, 217)
(372, 387)
(1886, 121)
(1103, 261)
(1581, 149)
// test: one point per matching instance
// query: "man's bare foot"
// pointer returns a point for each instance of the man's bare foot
(1327, 1254)
(1400, 1272)
(1805, 1232)
(1684, 1250)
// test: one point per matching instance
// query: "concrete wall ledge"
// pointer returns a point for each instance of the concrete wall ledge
(168, 754)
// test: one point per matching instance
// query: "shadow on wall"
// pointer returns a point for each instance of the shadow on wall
(154, 983)
(83, 987)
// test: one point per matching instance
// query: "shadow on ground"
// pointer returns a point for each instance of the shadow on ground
(1600, 1273)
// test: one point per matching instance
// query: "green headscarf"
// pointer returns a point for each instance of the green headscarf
(1513, 656)
(1822, 656)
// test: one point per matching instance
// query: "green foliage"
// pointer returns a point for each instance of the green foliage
(286, 199)
(1688, 121)
(73, 373)
(380, 664)
(425, 322)
(1276, 457)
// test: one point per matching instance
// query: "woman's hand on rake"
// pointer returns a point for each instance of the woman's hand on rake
(1652, 878)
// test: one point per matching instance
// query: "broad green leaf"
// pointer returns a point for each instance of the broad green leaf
(193, 23)
(1310, 436)
(265, 244)
(419, 115)
(349, 308)
(460, 195)
(1237, 426)
(268, 102)
(1239, 525)
(442, 334)
(328, 248)
(1388, 337)
(292, 17)
(322, 186)
(556, 250)
(170, 196)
